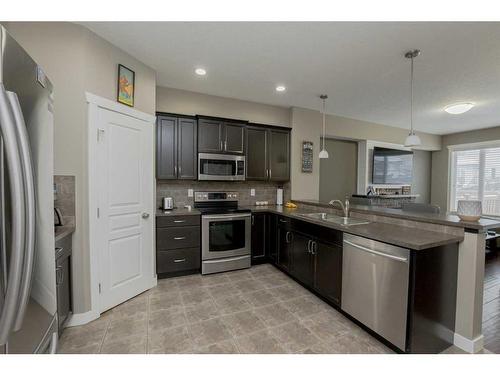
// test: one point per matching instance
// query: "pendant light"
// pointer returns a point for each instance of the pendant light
(323, 154)
(412, 139)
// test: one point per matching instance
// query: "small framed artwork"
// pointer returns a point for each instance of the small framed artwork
(307, 157)
(126, 85)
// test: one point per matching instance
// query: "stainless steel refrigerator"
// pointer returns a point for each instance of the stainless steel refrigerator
(28, 321)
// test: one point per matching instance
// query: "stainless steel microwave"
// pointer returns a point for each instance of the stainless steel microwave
(221, 167)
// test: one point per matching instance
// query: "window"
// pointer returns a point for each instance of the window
(475, 175)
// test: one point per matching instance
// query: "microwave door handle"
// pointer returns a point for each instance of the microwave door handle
(29, 206)
(14, 168)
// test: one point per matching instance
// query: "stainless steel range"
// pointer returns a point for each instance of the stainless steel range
(225, 232)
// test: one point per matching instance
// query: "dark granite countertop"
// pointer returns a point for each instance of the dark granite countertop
(411, 238)
(443, 219)
(177, 212)
(63, 231)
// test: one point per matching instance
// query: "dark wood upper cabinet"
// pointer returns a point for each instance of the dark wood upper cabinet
(234, 138)
(268, 154)
(209, 135)
(176, 148)
(166, 148)
(328, 271)
(257, 163)
(279, 155)
(219, 136)
(187, 149)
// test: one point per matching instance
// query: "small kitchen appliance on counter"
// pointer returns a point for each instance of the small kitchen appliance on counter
(279, 196)
(167, 203)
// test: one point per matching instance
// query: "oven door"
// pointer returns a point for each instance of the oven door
(218, 167)
(226, 235)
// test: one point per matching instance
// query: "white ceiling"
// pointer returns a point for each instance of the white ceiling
(360, 65)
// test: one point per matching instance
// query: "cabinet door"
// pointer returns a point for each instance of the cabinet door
(259, 243)
(302, 267)
(187, 157)
(166, 151)
(271, 236)
(234, 138)
(328, 271)
(284, 238)
(256, 144)
(279, 155)
(209, 135)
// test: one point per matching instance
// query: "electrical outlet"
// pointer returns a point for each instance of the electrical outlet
(252, 192)
(190, 193)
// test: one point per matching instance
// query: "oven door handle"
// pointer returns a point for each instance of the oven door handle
(225, 217)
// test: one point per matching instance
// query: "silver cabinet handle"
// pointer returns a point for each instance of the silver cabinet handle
(145, 215)
(283, 221)
(175, 170)
(309, 246)
(179, 260)
(220, 145)
(287, 237)
(270, 173)
(30, 207)
(179, 221)
(314, 247)
(179, 238)
(59, 275)
(375, 252)
(225, 145)
(14, 169)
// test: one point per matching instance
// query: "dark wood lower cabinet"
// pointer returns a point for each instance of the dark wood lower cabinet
(177, 245)
(283, 247)
(302, 259)
(259, 239)
(328, 271)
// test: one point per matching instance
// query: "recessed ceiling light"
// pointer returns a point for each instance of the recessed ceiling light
(280, 88)
(456, 109)
(200, 71)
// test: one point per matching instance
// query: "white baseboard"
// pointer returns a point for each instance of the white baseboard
(470, 346)
(82, 318)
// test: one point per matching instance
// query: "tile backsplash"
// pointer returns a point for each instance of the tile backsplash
(64, 197)
(178, 189)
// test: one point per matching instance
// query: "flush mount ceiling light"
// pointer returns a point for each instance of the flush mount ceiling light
(323, 154)
(200, 71)
(412, 139)
(458, 108)
(280, 88)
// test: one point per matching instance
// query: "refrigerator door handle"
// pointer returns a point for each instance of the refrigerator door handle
(14, 169)
(29, 207)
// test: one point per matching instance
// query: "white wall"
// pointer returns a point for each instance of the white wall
(76, 60)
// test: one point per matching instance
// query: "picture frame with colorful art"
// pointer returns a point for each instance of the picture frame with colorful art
(126, 85)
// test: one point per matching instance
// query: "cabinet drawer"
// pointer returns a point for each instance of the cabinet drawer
(178, 260)
(283, 221)
(177, 238)
(177, 221)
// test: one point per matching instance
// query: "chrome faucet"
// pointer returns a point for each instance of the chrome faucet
(345, 206)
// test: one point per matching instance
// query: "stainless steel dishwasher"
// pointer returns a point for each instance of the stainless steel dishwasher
(375, 286)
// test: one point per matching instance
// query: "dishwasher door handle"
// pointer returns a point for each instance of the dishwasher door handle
(375, 252)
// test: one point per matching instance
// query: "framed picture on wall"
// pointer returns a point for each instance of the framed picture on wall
(126, 85)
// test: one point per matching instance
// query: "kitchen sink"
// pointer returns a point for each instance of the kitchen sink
(344, 221)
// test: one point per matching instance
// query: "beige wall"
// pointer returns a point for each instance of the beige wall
(76, 61)
(306, 125)
(338, 173)
(193, 103)
(440, 167)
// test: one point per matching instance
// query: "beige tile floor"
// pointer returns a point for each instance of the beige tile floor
(259, 310)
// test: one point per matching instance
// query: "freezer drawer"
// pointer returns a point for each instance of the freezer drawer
(375, 279)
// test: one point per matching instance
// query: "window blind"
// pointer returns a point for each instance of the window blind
(475, 175)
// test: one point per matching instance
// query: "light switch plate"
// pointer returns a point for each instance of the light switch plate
(190, 192)
(252, 192)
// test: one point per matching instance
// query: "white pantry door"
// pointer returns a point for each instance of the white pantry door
(124, 171)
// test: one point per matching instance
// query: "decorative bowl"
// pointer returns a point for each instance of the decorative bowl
(469, 210)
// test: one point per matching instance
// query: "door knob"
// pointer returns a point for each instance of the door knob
(145, 215)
